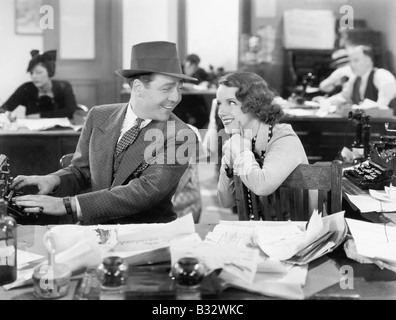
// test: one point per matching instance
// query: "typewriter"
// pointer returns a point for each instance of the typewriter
(7, 194)
(379, 169)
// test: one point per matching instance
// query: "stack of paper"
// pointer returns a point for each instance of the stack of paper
(46, 124)
(284, 250)
(376, 201)
(290, 243)
(372, 243)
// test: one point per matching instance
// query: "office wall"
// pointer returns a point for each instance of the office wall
(148, 20)
(380, 15)
(15, 51)
(213, 32)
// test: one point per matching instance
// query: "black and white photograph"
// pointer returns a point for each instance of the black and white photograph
(198, 155)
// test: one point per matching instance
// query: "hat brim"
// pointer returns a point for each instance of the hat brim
(128, 73)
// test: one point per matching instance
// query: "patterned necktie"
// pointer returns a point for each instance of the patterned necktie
(129, 137)
(356, 91)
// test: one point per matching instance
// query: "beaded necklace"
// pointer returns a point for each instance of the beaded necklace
(260, 161)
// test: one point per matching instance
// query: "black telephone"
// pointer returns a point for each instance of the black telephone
(7, 194)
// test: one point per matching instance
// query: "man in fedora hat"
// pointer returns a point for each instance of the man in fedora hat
(128, 181)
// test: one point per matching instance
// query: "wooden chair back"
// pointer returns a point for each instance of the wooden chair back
(291, 201)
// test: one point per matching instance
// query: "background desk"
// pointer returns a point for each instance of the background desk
(370, 282)
(194, 108)
(324, 138)
(36, 152)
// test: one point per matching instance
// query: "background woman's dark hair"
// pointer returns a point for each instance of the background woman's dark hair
(256, 97)
(47, 60)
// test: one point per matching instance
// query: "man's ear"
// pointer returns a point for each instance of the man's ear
(138, 86)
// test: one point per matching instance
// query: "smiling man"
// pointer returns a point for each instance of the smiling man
(125, 183)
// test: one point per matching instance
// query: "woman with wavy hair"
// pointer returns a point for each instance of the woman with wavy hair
(261, 151)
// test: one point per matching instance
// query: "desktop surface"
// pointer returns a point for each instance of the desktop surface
(324, 279)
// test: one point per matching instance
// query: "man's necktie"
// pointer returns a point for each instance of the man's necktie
(356, 91)
(129, 137)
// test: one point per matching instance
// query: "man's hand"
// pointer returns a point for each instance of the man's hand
(45, 184)
(41, 204)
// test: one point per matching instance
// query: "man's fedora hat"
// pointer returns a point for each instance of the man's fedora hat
(158, 57)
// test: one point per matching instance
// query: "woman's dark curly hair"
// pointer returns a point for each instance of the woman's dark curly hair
(256, 97)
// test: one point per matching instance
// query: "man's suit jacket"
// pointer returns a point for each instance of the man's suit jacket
(147, 177)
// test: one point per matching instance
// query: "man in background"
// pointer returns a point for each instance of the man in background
(193, 109)
(191, 68)
(335, 82)
(368, 85)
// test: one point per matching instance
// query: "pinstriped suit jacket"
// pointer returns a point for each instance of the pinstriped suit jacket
(127, 198)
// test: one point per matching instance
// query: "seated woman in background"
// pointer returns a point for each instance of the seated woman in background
(43, 97)
(262, 151)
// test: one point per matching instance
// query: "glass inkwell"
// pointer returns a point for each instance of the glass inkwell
(188, 275)
(112, 275)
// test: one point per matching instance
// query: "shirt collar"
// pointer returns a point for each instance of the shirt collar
(130, 118)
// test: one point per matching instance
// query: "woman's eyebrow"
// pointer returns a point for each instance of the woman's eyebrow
(231, 99)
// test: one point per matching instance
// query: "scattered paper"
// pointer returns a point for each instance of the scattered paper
(366, 203)
(24, 258)
(132, 232)
(242, 234)
(281, 285)
(374, 240)
(45, 123)
(381, 195)
(240, 262)
(299, 246)
(391, 192)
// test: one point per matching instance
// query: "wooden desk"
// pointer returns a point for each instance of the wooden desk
(36, 152)
(370, 282)
(323, 138)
